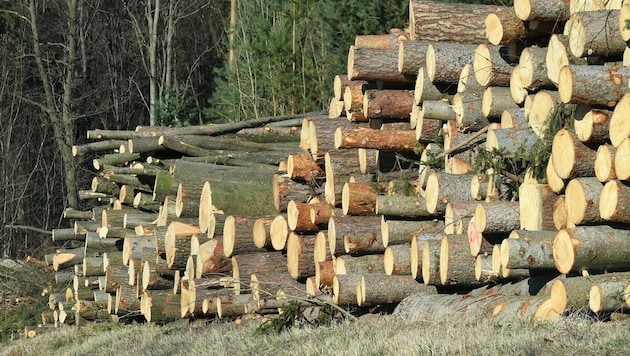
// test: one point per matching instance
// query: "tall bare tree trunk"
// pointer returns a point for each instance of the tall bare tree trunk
(153, 16)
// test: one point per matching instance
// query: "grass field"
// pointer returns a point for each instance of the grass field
(370, 335)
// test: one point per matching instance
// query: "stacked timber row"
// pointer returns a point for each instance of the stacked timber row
(195, 222)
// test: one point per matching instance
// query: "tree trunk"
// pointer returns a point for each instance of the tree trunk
(375, 65)
(430, 261)
(238, 235)
(528, 249)
(582, 200)
(377, 289)
(597, 85)
(345, 289)
(387, 104)
(392, 40)
(619, 125)
(366, 264)
(360, 198)
(622, 160)
(468, 111)
(543, 10)
(495, 100)
(402, 206)
(558, 55)
(497, 217)
(593, 127)
(411, 56)
(533, 68)
(445, 60)
(443, 188)
(503, 27)
(243, 266)
(491, 65)
(355, 235)
(425, 89)
(465, 23)
(543, 106)
(511, 141)
(397, 259)
(396, 232)
(595, 33)
(607, 296)
(300, 256)
(589, 248)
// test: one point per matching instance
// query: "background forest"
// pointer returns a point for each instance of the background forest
(67, 66)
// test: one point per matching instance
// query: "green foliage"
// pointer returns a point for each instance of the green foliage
(176, 108)
(294, 315)
(286, 55)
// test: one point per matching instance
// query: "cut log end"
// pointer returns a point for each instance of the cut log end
(494, 29)
(565, 84)
(608, 200)
(563, 252)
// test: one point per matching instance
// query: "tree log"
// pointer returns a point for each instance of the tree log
(443, 188)
(558, 55)
(497, 217)
(622, 160)
(465, 23)
(376, 289)
(366, 264)
(614, 202)
(345, 289)
(512, 140)
(396, 232)
(359, 234)
(593, 84)
(467, 106)
(397, 259)
(300, 256)
(445, 60)
(467, 80)
(536, 207)
(593, 127)
(571, 158)
(595, 33)
(285, 189)
(411, 56)
(491, 65)
(503, 27)
(389, 140)
(528, 249)
(457, 266)
(582, 200)
(605, 163)
(607, 296)
(243, 266)
(544, 10)
(495, 100)
(594, 248)
(430, 261)
(518, 91)
(402, 206)
(375, 65)
(425, 89)
(360, 198)
(543, 106)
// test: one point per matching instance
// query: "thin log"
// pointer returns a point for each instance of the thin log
(544, 10)
(386, 289)
(503, 27)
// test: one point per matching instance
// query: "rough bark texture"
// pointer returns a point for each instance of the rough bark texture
(595, 33)
(375, 64)
(599, 85)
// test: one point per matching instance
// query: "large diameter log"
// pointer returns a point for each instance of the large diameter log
(366, 264)
(378, 289)
(582, 200)
(558, 55)
(457, 266)
(402, 206)
(465, 23)
(360, 198)
(387, 103)
(619, 124)
(528, 249)
(443, 188)
(388, 140)
(495, 100)
(345, 289)
(536, 202)
(544, 10)
(503, 27)
(411, 56)
(397, 232)
(571, 158)
(491, 67)
(595, 33)
(614, 202)
(355, 235)
(497, 217)
(375, 64)
(445, 60)
(543, 106)
(594, 84)
(596, 248)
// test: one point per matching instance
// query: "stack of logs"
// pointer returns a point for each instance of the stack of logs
(196, 222)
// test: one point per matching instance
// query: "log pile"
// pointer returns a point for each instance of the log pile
(380, 202)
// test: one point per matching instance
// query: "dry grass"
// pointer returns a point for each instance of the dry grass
(377, 335)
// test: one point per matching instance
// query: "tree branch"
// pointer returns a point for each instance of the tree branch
(29, 228)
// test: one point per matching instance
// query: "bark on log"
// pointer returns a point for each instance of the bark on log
(599, 85)
(468, 110)
(607, 296)
(339, 165)
(457, 266)
(495, 100)
(605, 163)
(511, 140)
(391, 40)
(445, 60)
(544, 10)
(397, 259)
(375, 65)
(412, 56)
(243, 266)
(345, 289)
(528, 249)
(465, 23)
(388, 140)
(582, 200)
(533, 68)
(387, 104)
(457, 215)
(366, 264)
(536, 207)
(497, 217)
(303, 166)
(360, 198)
(467, 80)
(353, 100)
(431, 249)
(595, 33)
(492, 65)
(503, 27)
(425, 89)
(402, 206)
(396, 232)
(285, 189)
(593, 127)
(211, 258)
(378, 289)
(355, 235)
(114, 159)
(324, 273)
(300, 256)
(594, 248)
(571, 158)
(443, 188)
